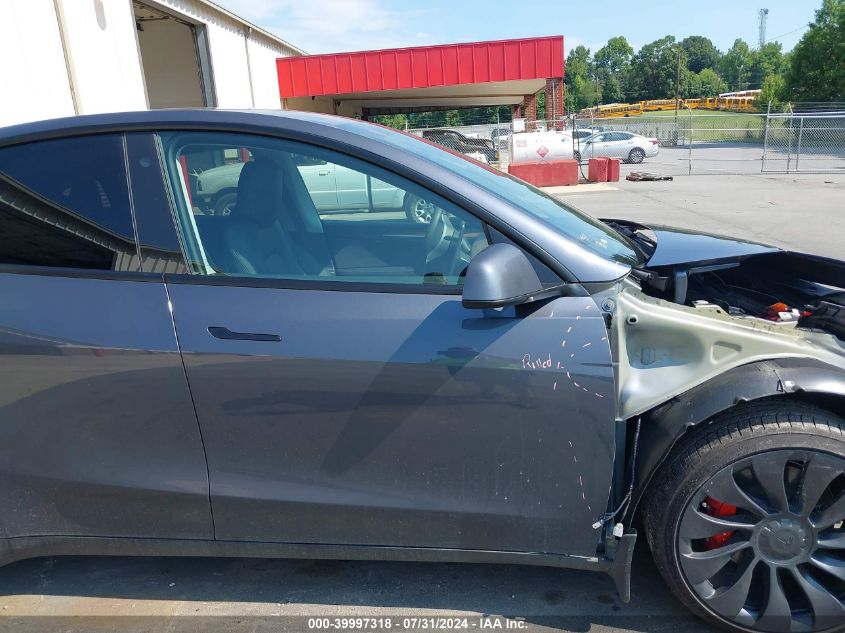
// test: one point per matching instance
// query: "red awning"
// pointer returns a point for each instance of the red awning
(421, 67)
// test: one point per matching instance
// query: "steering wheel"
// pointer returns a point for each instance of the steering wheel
(436, 235)
(458, 238)
(444, 239)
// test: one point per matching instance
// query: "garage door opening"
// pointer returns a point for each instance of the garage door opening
(174, 55)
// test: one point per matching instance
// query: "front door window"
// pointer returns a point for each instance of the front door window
(259, 207)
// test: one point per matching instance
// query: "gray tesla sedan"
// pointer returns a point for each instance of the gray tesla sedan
(310, 370)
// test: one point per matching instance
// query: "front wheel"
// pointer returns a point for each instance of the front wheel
(636, 156)
(417, 209)
(745, 519)
(224, 203)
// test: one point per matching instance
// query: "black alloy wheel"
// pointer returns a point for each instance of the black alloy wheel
(761, 542)
(745, 521)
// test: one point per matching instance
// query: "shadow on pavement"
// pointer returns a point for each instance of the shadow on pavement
(75, 594)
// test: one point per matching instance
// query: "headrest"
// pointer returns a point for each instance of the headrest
(261, 188)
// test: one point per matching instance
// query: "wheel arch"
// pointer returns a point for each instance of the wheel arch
(792, 379)
(223, 192)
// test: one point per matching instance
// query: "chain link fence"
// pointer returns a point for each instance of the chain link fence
(804, 143)
(690, 141)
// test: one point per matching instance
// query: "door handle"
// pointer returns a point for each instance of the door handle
(228, 335)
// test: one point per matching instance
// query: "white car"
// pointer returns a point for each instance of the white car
(627, 146)
(332, 188)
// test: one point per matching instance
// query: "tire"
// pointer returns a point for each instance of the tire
(224, 203)
(577, 156)
(783, 565)
(636, 156)
(417, 209)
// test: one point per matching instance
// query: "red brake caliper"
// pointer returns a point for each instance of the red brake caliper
(718, 509)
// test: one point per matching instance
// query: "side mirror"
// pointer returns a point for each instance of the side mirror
(498, 276)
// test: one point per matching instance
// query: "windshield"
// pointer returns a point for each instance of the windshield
(579, 227)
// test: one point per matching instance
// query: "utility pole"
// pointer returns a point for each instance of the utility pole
(678, 85)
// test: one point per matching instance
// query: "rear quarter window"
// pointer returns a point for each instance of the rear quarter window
(65, 203)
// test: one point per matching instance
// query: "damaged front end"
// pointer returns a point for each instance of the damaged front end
(703, 304)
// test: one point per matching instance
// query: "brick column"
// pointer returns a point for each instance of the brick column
(529, 111)
(554, 103)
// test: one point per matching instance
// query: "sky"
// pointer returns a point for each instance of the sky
(326, 26)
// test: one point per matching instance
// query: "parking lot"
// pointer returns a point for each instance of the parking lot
(799, 211)
(741, 158)
(142, 594)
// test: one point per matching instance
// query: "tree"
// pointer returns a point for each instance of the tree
(701, 53)
(612, 62)
(707, 83)
(654, 69)
(735, 65)
(768, 60)
(772, 92)
(579, 79)
(710, 84)
(817, 65)
(615, 56)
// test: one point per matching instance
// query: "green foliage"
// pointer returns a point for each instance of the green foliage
(817, 64)
(615, 56)
(772, 91)
(396, 121)
(580, 79)
(654, 69)
(578, 63)
(707, 83)
(768, 60)
(735, 65)
(446, 118)
(612, 64)
(701, 53)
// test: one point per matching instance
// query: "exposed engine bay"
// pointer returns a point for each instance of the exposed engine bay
(790, 290)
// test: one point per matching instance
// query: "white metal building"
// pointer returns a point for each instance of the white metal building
(65, 57)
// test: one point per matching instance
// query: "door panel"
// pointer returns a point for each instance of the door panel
(320, 181)
(98, 436)
(394, 242)
(400, 419)
(351, 188)
(385, 195)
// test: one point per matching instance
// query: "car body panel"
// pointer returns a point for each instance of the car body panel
(682, 246)
(450, 428)
(98, 434)
(665, 349)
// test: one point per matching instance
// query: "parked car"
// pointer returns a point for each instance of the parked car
(581, 134)
(627, 146)
(332, 188)
(461, 143)
(513, 381)
(499, 136)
